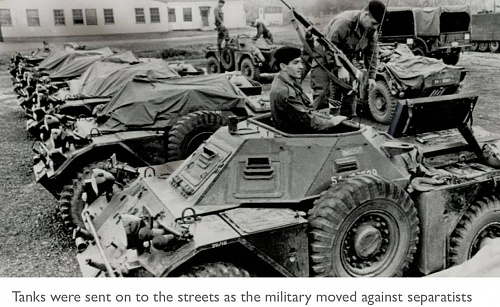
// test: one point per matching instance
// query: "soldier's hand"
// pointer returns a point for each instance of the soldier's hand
(371, 84)
(343, 74)
(223, 44)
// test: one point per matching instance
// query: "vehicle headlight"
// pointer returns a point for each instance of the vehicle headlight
(409, 41)
(467, 36)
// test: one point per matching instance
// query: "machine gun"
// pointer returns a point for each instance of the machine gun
(330, 49)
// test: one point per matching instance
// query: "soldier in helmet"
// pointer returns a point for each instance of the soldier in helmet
(291, 110)
(262, 31)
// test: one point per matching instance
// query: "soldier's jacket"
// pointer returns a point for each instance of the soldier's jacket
(346, 32)
(293, 112)
(261, 30)
(219, 16)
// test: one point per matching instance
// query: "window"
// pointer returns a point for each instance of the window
(155, 14)
(109, 18)
(59, 18)
(78, 17)
(171, 15)
(91, 17)
(272, 10)
(5, 19)
(188, 14)
(33, 19)
(139, 16)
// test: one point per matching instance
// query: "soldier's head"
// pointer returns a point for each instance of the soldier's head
(289, 61)
(371, 16)
(221, 3)
(253, 23)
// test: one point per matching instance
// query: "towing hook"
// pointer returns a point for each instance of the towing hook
(189, 219)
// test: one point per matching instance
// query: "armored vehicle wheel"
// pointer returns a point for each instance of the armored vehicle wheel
(451, 59)
(249, 70)
(480, 222)
(494, 46)
(227, 59)
(213, 66)
(71, 203)
(362, 226)
(483, 46)
(473, 46)
(216, 269)
(382, 103)
(190, 132)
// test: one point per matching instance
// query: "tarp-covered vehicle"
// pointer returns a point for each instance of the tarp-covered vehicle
(402, 75)
(147, 122)
(398, 26)
(255, 201)
(442, 32)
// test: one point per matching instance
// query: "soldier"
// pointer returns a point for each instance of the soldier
(262, 31)
(291, 110)
(352, 32)
(222, 32)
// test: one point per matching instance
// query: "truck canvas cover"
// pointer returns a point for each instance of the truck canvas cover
(106, 77)
(149, 104)
(428, 19)
(57, 56)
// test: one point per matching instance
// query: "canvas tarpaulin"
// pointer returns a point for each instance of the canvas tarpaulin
(428, 19)
(412, 70)
(145, 105)
(57, 56)
(105, 78)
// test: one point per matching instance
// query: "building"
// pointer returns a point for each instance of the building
(268, 11)
(24, 19)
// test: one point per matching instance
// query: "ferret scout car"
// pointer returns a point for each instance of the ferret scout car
(255, 201)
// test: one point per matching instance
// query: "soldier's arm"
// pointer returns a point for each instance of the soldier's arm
(218, 16)
(337, 33)
(259, 31)
(371, 55)
(306, 118)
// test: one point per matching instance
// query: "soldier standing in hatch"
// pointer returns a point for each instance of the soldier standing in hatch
(262, 31)
(222, 32)
(291, 110)
(351, 32)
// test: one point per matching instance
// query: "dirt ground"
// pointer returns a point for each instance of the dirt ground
(33, 242)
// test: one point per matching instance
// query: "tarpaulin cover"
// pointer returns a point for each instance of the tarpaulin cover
(59, 54)
(412, 70)
(427, 19)
(145, 105)
(105, 78)
(74, 65)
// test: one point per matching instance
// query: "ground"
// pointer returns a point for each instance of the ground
(33, 241)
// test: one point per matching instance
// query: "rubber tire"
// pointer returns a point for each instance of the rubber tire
(215, 269)
(213, 66)
(249, 70)
(473, 46)
(70, 202)
(381, 91)
(189, 128)
(483, 213)
(483, 46)
(335, 212)
(418, 51)
(227, 58)
(494, 46)
(451, 59)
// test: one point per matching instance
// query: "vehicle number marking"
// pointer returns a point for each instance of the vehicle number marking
(441, 81)
(219, 244)
(352, 151)
(336, 179)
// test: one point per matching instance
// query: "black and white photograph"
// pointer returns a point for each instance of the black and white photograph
(250, 138)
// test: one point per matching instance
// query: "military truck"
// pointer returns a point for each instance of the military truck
(146, 123)
(242, 53)
(255, 201)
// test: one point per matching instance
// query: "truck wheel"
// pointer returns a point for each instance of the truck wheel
(480, 222)
(190, 132)
(213, 66)
(494, 46)
(473, 46)
(382, 103)
(71, 204)
(483, 46)
(216, 269)
(451, 59)
(249, 70)
(227, 59)
(363, 226)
